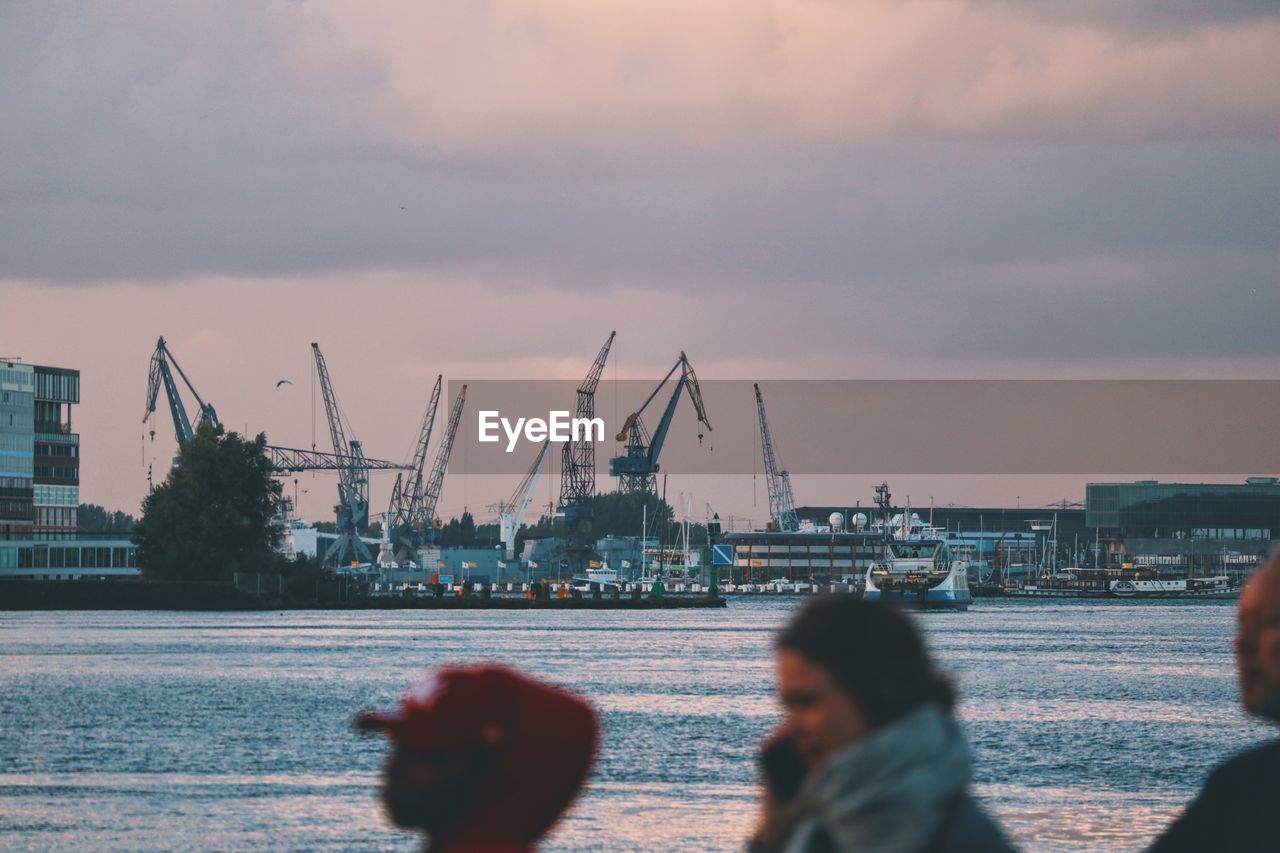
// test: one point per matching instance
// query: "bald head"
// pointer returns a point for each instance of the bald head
(1258, 642)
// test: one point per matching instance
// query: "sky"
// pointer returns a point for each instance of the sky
(881, 189)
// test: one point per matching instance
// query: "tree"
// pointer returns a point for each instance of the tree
(211, 516)
(97, 519)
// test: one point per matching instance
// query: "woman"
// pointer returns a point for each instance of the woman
(869, 757)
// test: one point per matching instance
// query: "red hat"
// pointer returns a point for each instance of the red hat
(544, 740)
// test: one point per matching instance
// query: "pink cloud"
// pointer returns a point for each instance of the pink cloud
(498, 74)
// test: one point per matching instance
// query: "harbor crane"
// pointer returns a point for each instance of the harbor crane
(352, 510)
(511, 512)
(782, 502)
(406, 495)
(163, 364)
(417, 523)
(578, 467)
(637, 470)
(284, 460)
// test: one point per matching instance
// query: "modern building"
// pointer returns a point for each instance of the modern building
(40, 482)
(1199, 528)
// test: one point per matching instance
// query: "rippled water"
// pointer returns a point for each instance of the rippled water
(1092, 722)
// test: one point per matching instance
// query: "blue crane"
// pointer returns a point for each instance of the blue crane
(637, 470)
(162, 366)
(352, 510)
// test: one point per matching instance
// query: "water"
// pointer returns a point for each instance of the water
(1092, 722)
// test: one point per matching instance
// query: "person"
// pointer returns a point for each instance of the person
(1236, 809)
(869, 757)
(483, 758)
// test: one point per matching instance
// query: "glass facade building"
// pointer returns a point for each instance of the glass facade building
(1196, 511)
(40, 482)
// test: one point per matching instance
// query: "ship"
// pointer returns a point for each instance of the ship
(919, 573)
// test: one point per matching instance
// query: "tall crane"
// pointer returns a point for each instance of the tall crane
(407, 525)
(578, 468)
(637, 470)
(435, 482)
(352, 510)
(578, 458)
(162, 366)
(782, 502)
(511, 512)
(284, 460)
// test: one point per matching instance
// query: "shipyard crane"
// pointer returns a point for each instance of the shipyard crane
(782, 502)
(578, 459)
(511, 512)
(637, 470)
(284, 460)
(405, 508)
(435, 482)
(352, 510)
(162, 366)
(578, 468)
(413, 516)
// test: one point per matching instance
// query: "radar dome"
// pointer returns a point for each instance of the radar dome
(860, 520)
(836, 520)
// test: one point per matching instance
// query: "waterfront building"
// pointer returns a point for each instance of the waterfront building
(40, 483)
(801, 556)
(1186, 528)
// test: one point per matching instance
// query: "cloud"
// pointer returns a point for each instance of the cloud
(461, 75)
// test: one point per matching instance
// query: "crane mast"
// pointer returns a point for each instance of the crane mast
(578, 459)
(782, 503)
(578, 470)
(637, 470)
(352, 511)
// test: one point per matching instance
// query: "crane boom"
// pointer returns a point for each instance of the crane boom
(161, 373)
(512, 512)
(406, 501)
(578, 459)
(288, 460)
(638, 468)
(435, 483)
(782, 503)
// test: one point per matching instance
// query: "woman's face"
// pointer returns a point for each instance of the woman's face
(821, 718)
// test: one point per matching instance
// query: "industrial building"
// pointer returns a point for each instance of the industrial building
(40, 482)
(797, 555)
(1185, 529)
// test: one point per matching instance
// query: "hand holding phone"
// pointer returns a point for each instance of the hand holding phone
(783, 766)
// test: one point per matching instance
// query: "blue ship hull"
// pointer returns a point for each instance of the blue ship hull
(926, 599)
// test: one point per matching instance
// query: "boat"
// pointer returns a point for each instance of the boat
(919, 573)
(597, 577)
(1214, 587)
(1140, 582)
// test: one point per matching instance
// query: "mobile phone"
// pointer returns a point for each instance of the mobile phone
(783, 767)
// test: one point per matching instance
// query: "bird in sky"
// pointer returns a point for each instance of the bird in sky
(284, 382)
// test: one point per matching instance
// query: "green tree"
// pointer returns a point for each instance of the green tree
(93, 518)
(211, 516)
